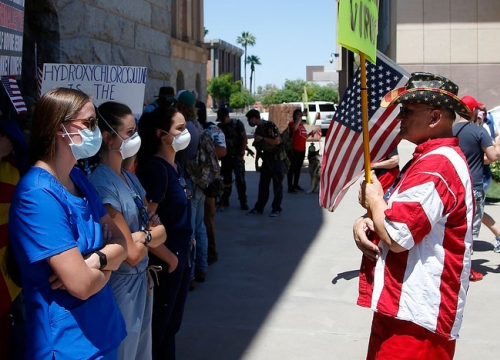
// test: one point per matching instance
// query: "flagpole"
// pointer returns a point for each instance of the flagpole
(364, 117)
(305, 105)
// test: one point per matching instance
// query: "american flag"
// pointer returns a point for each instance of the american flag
(10, 85)
(343, 161)
(39, 72)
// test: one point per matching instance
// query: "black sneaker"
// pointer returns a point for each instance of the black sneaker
(292, 191)
(298, 188)
(244, 206)
(254, 212)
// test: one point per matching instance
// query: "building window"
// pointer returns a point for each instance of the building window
(180, 81)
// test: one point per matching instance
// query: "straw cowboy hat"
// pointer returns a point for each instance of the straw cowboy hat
(427, 88)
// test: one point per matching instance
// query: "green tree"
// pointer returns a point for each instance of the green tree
(325, 93)
(240, 99)
(266, 94)
(245, 39)
(296, 87)
(253, 60)
(222, 87)
(285, 96)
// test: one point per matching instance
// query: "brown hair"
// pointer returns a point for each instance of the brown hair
(160, 118)
(189, 111)
(53, 108)
(110, 115)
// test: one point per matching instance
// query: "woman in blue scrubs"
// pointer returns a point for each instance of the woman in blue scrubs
(64, 241)
(163, 133)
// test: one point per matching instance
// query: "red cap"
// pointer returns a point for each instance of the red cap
(471, 102)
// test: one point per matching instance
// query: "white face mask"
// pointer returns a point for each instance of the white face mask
(181, 141)
(130, 146)
(91, 143)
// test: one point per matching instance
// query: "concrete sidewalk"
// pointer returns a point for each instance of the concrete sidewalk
(286, 287)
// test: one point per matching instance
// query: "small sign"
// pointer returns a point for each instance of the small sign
(358, 27)
(11, 37)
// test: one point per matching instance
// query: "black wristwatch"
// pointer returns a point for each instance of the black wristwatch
(149, 237)
(103, 260)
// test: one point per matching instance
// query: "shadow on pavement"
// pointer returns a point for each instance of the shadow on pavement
(346, 275)
(258, 256)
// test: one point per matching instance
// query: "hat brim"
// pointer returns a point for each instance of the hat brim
(436, 97)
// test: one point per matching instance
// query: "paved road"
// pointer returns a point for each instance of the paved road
(286, 287)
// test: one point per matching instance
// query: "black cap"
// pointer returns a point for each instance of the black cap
(222, 113)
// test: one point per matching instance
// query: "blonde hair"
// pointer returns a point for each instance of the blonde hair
(55, 107)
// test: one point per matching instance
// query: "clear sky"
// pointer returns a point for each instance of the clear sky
(290, 34)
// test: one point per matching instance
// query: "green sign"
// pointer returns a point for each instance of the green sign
(358, 20)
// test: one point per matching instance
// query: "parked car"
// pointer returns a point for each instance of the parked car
(320, 113)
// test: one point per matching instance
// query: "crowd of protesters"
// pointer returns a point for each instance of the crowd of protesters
(108, 221)
(105, 223)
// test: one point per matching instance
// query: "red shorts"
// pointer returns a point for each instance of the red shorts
(398, 339)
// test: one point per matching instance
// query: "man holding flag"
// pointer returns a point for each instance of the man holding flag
(421, 257)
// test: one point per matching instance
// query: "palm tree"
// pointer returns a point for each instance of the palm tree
(246, 39)
(253, 60)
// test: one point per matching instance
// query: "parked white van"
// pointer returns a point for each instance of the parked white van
(320, 113)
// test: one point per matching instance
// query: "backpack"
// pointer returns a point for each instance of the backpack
(204, 169)
(286, 140)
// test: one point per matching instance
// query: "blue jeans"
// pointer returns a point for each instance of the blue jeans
(199, 228)
(275, 171)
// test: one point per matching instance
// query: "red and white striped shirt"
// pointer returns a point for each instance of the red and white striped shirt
(430, 214)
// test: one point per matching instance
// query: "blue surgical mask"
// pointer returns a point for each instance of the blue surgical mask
(91, 143)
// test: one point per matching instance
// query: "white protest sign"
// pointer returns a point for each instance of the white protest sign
(124, 84)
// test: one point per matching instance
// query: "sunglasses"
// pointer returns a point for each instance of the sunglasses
(405, 112)
(90, 123)
(142, 210)
(183, 183)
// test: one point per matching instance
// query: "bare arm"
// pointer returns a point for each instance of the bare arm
(158, 232)
(135, 251)
(115, 246)
(244, 142)
(220, 151)
(390, 163)
(267, 140)
(82, 277)
(72, 273)
(492, 153)
(166, 255)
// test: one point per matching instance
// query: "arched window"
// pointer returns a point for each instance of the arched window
(198, 84)
(180, 81)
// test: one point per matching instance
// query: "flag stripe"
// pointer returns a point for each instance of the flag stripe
(12, 89)
(343, 159)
